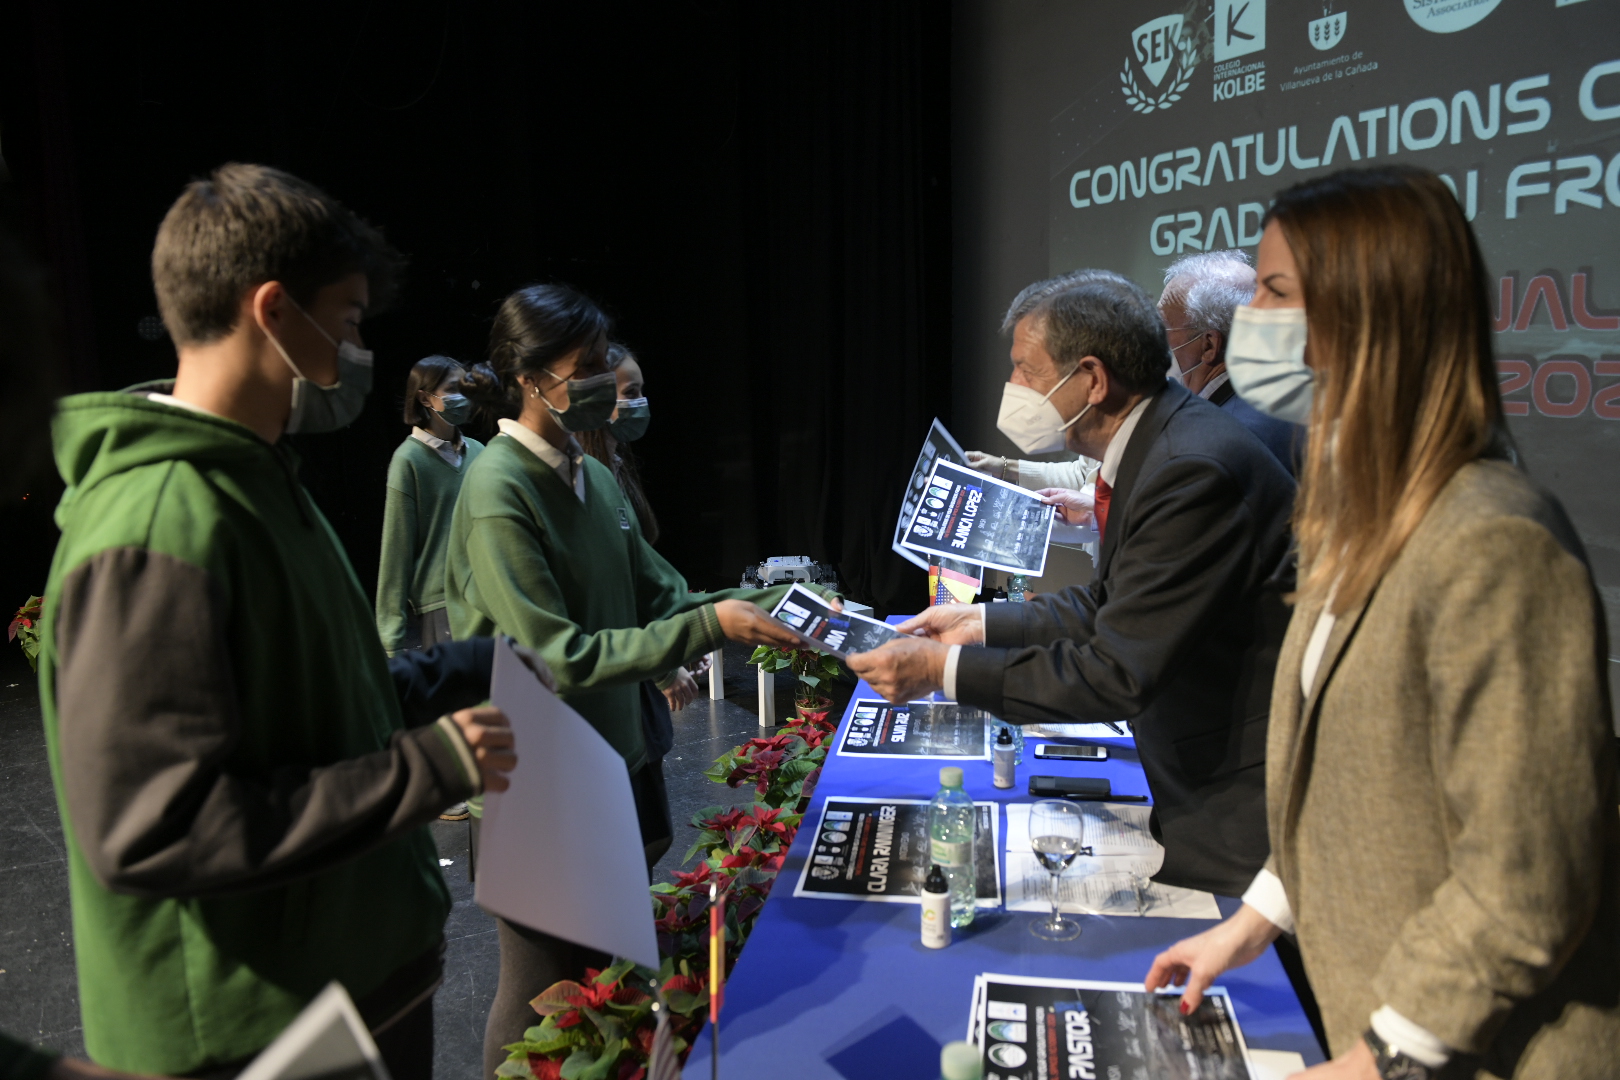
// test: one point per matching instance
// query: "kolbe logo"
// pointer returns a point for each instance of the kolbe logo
(1328, 31)
(1156, 46)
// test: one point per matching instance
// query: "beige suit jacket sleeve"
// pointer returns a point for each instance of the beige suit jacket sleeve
(1518, 727)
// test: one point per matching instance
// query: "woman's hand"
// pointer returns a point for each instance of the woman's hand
(1073, 507)
(986, 463)
(1199, 960)
(949, 624)
(489, 736)
(682, 692)
(748, 624)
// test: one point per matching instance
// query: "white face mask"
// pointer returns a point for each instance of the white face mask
(1030, 419)
(318, 408)
(1175, 362)
(1266, 360)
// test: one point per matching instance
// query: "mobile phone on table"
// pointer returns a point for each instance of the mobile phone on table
(1056, 787)
(1070, 752)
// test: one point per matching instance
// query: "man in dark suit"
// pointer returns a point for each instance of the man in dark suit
(1200, 293)
(1179, 631)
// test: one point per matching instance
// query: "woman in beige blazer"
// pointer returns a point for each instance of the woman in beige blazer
(1440, 784)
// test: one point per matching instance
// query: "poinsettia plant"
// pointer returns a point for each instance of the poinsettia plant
(24, 629)
(811, 668)
(726, 831)
(777, 767)
(604, 1028)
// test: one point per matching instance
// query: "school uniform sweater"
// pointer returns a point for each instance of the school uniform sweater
(422, 489)
(575, 580)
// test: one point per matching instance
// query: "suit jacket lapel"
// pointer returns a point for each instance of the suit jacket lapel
(1344, 628)
(1160, 408)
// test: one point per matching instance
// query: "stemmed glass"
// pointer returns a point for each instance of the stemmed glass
(1056, 830)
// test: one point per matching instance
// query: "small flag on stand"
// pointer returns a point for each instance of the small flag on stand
(717, 972)
(953, 582)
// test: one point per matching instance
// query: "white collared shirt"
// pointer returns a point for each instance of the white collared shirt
(570, 465)
(1112, 456)
(174, 402)
(452, 452)
(1215, 384)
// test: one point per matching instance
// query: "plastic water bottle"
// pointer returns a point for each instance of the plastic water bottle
(959, 1061)
(952, 825)
(1016, 584)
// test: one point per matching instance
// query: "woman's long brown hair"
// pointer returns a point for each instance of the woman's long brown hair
(1398, 325)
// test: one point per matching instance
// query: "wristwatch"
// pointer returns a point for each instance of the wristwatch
(1392, 1063)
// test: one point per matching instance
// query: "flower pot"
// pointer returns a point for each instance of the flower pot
(816, 711)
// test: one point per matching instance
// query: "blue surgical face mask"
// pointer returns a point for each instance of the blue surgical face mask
(631, 423)
(1266, 359)
(457, 409)
(317, 408)
(590, 402)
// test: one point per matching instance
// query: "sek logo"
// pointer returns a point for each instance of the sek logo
(1328, 31)
(1155, 45)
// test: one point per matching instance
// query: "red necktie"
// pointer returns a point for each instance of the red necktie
(1104, 495)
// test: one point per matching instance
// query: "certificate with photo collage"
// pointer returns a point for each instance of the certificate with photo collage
(917, 729)
(878, 850)
(1032, 1028)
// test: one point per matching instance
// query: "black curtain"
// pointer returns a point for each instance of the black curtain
(758, 193)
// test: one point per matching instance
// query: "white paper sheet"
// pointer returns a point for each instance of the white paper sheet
(328, 1039)
(1077, 731)
(560, 850)
(1275, 1064)
(1106, 885)
(1110, 829)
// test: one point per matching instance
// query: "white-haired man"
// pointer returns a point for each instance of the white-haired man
(1200, 293)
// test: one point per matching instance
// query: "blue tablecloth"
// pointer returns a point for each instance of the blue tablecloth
(845, 990)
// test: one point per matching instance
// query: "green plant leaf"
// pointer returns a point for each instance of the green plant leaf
(515, 1069)
(579, 1061)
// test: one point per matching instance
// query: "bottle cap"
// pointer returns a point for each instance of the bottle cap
(1004, 736)
(951, 775)
(959, 1061)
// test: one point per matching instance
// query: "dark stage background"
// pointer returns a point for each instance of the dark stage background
(759, 194)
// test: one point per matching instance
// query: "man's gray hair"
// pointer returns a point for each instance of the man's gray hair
(1209, 286)
(1100, 313)
(1035, 295)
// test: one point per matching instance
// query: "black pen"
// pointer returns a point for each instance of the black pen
(1115, 728)
(1107, 798)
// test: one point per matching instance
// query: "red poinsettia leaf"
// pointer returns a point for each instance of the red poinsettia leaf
(557, 996)
(567, 1019)
(545, 1068)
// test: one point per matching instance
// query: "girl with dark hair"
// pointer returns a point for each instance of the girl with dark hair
(611, 446)
(424, 478)
(1440, 766)
(546, 547)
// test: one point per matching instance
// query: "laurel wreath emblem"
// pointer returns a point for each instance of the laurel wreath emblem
(1142, 102)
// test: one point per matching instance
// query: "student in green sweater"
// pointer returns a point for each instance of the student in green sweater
(545, 547)
(244, 778)
(423, 480)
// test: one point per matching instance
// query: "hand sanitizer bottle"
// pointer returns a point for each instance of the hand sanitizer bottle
(1004, 756)
(936, 909)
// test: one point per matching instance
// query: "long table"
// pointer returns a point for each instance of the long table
(845, 990)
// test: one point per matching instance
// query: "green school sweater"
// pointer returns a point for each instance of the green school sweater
(243, 805)
(578, 583)
(422, 489)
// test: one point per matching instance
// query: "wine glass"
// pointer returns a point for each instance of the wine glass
(1056, 830)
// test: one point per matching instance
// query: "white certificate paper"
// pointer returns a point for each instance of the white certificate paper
(560, 850)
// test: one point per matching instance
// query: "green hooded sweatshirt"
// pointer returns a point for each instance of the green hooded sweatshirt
(243, 802)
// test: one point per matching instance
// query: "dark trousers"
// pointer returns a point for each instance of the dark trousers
(400, 1016)
(531, 960)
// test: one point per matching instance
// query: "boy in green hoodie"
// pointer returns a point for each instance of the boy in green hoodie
(244, 778)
